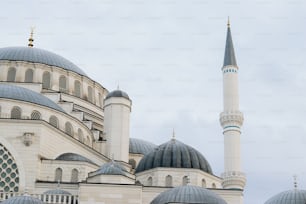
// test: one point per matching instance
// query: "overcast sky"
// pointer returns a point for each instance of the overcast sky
(167, 55)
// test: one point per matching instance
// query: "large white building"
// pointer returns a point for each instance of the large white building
(64, 138)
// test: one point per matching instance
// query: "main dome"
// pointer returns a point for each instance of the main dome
(188, 194)
(23, 94)
(174, 154)
(35, 55)
(294, 196)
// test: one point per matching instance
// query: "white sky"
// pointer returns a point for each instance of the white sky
(167, 54)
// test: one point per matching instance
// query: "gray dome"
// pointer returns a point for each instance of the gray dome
(289, 197)
(110, 168)
(73, 157)
(138, 146)
(36, 55)
(174, 154)
(23, 94)
(188, 194)
(22, 200)
(118, 93)
(57, 192)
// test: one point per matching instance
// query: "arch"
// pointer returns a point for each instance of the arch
(58, 174)
(168, 181)
(150, 181)
(90, 94)
(132, 162)
(77, 88)
(16, 112)
(29, 75)
(74, 176)
(53, 121)
(35, 115)
(46, 80)
(185, 180)
(11, 74)
(62, 84)
(213, 185)
(203, 183)
(68, 128)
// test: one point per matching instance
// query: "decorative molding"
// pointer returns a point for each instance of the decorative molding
(28, 138)
(233, 180)
(231, 119)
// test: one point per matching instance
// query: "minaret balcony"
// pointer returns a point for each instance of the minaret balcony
(231, 119)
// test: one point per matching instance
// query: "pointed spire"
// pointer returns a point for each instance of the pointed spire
(173, 134)
(229, 56)
(31, 39)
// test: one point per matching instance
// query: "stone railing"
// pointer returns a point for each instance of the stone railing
(46, 198)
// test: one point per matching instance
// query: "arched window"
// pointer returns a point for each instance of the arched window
(11, 74)
(35, 115)
(68, 128)
(132, 162)
(29, 76)
(46, 81)
(74, 175)
(80, 135)
(62, 84)
(90, 94)
(16, 112)
(213, 185)
(168, 181)
(150, 181)
(53, 121)
(77, 88)
(58, 174)
(185, 180)
(203, 183)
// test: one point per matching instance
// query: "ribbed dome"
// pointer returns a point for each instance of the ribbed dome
(188, 194)
(23, 94)
(117, 93)
(138, 146)
(57, 192)
(22, 200)
(289, 197)
(72, 157)
(110, 168)
(174, 154)
(36, 55)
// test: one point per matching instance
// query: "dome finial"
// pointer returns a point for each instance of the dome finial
(228, 22)
(31, 39)
(173, 134)
(295, 181)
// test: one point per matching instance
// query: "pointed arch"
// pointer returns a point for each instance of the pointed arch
(58, 174)
(35, 115)
(11, 74)
(46, 80)
(16, 112)
(29, 75)
(168, 181)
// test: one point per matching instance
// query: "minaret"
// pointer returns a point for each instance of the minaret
(117, 109)
(231, 119)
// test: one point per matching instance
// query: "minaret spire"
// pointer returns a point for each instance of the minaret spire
(231, 119)
(229, 56)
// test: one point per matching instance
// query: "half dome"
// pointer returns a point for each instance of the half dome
(23, 94)
(139, 146)
(110, 168)
(188, 194)
(294, 196)
(174, 154)
(22, 200)
(73, 157)
(35, 55)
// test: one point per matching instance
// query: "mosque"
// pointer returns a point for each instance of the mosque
(64, 138)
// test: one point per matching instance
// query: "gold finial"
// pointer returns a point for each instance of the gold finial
(295, 181)
(228, 22)
(31, 39)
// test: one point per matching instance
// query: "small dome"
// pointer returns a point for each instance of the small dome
(174, 154)
(139, 146)
(23, 94)
(22, 200)
(110, 168)
(117, 93)
(35, 55)
(57, 192)
(287, 197)
(188, 194)
(73, 157)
